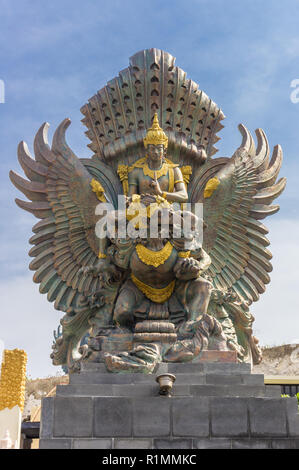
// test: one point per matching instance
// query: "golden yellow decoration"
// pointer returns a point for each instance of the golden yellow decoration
(156, 295)
(98, 189)
(186, 172)
(155, 134)
(122, 171)
(184, 254)
(155, 173)
(102, 255)
(210, 187)
(171, 180)
(136, 210)
(136, 198)
(13, 379)
(154, 258)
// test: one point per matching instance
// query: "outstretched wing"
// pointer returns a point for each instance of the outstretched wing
(239, 196)
(61, 196)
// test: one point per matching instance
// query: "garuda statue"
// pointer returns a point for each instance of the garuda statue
(143, 298)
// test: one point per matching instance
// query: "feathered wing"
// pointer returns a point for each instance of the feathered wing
(234, 236)
(64, 239)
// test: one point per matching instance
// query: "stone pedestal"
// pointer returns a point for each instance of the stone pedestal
(214, 405)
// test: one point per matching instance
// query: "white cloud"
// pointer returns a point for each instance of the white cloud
(27, 322)
(277, 311)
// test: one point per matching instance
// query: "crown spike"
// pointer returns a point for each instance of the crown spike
(155, 134)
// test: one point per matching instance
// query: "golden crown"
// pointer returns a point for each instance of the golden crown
(155, 134)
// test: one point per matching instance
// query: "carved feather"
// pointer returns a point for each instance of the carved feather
(234, 237)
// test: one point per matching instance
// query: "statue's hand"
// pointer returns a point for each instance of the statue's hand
(104, 269)
(156, 186)
(187, 268)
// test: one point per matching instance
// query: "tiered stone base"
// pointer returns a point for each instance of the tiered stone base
(214, 405)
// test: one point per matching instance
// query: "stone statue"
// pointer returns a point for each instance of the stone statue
(145, 299)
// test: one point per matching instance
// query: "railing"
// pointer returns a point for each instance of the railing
(289, 383)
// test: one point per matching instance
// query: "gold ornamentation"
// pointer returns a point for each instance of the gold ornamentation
(142, 163)
(155, 134)
(186, 172)
(164, 195)
(158, 173)
(102, 255)
(184, 254)
(154, 258)
(210, 187)
(136, 197)
(13, 379)
(171, 180)
(122, 171)
(98, 189)
(156, 295)
(179, 181)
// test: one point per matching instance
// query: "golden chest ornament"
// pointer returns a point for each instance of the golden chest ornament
(154, 258)
(158, 173)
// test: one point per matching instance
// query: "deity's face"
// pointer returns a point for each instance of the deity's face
(155, 152)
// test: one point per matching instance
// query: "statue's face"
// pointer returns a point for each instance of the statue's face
(155, 152)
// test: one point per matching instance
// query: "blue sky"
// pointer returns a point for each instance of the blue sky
(55, 55)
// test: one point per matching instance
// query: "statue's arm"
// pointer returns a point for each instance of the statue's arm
(202, 257)
(180, 193)
(133, 182)
(191, 267)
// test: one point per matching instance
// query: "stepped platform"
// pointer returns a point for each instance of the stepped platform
(213, 405)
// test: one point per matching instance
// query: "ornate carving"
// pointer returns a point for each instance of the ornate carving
(146, 300)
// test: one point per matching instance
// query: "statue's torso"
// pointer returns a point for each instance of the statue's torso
(157, 277)
(143, 182)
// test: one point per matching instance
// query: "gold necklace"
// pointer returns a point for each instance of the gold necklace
(162, 172)
(156, 295)
(154, 258)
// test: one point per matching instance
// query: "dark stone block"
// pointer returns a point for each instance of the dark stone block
(136, 390)
(213, 443)
(190, 379)
(185, 368)
(133, 444)
(267, 417)
(292, 416)
(229, 417)
(285, 443)
(47, 417)
(227, 390)
(253, 379)
(151, 417)
(92, 444)
(55, 443)
(227, 368)
(251, 444)
(190, 416)
(82, 390)
(222, 379)
(112, 417)
(172, 443)
(73, 417)
(273, 391)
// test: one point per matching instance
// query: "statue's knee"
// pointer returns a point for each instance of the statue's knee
(202, 286)
(207, 286)
(123, 312)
